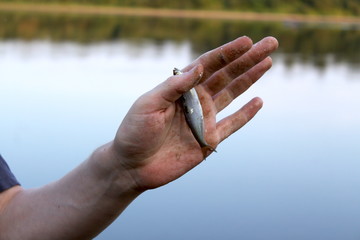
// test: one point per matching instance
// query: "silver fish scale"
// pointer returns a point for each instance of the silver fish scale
(194, 114)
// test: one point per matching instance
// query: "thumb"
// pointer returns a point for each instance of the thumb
(175, 86)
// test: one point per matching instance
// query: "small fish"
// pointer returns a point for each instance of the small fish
(194, 114)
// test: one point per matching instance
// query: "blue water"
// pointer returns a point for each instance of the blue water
(292, 173)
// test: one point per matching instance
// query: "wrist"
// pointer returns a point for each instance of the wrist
(110, 167)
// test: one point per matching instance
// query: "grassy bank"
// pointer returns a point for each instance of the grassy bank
(323, 7)
(173, 13)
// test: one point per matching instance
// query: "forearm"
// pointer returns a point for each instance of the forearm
(78, 206)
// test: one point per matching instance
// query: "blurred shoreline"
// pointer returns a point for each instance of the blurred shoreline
(174, 13)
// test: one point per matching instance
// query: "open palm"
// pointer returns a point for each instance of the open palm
(154, 141)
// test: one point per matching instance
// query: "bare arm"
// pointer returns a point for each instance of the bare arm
(152, 147)
(78, 206)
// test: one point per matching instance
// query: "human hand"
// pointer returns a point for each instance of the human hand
(154, 142)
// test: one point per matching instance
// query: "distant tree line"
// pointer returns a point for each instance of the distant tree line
(338, 7)
(300, 42)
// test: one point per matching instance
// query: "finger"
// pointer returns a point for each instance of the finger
(171, 90)
(241, 84)
(223, 55)
(256, 54)
(234, 122)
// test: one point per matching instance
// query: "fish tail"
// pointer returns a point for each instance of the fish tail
(210, 148)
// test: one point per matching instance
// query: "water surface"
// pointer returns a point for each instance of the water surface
(292, 173)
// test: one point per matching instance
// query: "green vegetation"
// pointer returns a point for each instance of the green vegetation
(333, 7)
(314, 44)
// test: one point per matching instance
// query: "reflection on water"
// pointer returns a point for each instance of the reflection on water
(293, 173)
(300, 42)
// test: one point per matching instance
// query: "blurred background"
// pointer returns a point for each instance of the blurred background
(69, 72)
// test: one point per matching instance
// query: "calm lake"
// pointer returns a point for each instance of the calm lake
(292, 173)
